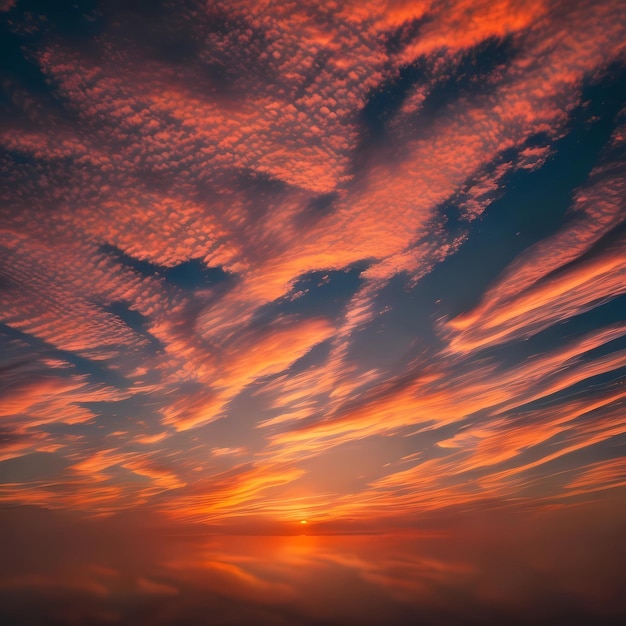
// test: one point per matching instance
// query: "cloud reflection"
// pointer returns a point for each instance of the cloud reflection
(445, 569)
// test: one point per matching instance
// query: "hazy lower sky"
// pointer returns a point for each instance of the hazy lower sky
(357, 263)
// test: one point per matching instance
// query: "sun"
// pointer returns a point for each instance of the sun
(303, 521)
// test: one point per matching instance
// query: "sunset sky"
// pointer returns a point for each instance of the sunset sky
(360, 263)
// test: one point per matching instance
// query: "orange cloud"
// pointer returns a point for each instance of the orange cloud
(264, 155)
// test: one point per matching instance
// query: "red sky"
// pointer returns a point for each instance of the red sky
(358, 263)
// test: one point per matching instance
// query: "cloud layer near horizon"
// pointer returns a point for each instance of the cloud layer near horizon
(339, 261)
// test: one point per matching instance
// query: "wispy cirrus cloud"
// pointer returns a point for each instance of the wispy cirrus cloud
(283, 231)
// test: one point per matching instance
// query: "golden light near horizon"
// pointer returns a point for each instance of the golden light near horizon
(303, 521)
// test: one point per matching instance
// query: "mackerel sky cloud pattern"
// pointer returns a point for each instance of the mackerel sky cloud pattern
(351, 262)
